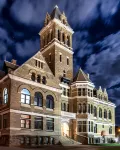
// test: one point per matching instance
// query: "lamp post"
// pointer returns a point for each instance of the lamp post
(118, 135)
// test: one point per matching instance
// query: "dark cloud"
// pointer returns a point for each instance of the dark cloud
(95, 42)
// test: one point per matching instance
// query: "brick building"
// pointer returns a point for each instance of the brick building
(42, 103)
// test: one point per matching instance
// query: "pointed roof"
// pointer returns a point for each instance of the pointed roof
(81, 76)
(55, 13)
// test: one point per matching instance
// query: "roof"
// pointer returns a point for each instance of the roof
(81, 76)
(56, 13)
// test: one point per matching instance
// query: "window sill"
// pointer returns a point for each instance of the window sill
(49, 130)
(38, 107)
(25, 105)
(49, 109)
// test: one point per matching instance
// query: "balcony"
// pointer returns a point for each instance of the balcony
(69, 115)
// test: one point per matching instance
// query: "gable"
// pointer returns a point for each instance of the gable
(37, 65)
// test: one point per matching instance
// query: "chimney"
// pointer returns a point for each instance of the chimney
(13, 61)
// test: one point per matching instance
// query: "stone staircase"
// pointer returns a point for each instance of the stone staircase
(66, 141)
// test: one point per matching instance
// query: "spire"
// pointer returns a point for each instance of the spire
(81, 76)
(56, 6)
(56, 13)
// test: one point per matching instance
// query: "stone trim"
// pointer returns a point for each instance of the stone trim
(59, 45)
(25, 81)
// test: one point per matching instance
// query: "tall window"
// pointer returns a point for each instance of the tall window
(25, 121)
(5, 96)
(49, 102)
(25, 96)
(59, 35)
(38, 99)
(105, 113)
(79, 126)
(38, 123)
(49, 124)
(95, 128)
(38, 78)
(84, 108)
(84, 126)
(84, 92)
(91, 109)
(80, 108)
(68, 92)
(79, 92)
(110, 130)
(33, 77)
(44, 81)
(88, 92)
(67, 61)
(60, 57)
(63, 38)
(100, 112)
(64, 106)
(91, 126)
(109, 115)
(64, 91)
(95, 111)
(68, 40)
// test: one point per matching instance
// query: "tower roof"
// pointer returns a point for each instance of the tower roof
(81, 76)
(55, 13)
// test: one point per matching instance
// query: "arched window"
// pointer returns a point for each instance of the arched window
(84, 108)
(38, 78)
(64, 107)
(5, 96)
(25, 96)
(49, 102)
(80, 108)
(63, 38)
(105, 113)
(59, 35)
(33, 77)
(91, 109)
(95, 111)
(109, 115)
(38, 99)
(110, 130)
(44, 81)
(100, 112)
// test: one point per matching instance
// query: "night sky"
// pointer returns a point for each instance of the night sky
(96, 41)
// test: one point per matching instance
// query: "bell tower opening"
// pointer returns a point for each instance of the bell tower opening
(56, 43)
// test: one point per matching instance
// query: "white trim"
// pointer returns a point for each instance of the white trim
(34, 83)
(78, 84)
(59, 45)
(65, 86)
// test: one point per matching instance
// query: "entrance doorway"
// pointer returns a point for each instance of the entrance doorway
(65, 129)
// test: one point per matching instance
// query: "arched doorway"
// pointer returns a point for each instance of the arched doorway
(65, 129)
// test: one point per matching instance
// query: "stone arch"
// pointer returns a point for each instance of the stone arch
(24, 86)
(32, 71)
(39, 90)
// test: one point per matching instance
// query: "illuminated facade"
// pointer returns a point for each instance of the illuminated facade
(42, 103)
